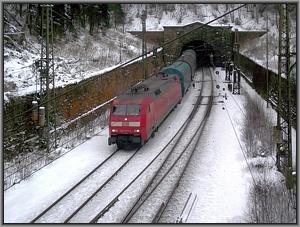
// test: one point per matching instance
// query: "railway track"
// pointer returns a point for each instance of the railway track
(171, 159)
(11, 172)
(104, 198)
(153, 201)
(186, 197)
(69, 200)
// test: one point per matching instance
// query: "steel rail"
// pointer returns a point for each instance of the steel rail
(105, 209)
(160, 211)
(35, 160)
(101, 187)
(41, 158)
(72, 188)
(135, 206)
(171, 168)
(201, 129)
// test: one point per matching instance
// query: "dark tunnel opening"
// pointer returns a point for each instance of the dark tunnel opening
(203, 51)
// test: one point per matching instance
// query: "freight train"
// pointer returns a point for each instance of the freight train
(136, 114)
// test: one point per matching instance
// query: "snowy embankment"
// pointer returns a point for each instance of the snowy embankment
(217, 169)
(19, 209)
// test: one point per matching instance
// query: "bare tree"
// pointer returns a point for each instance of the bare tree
(271, 201)
(232, 14)
(256, 13)
(252, 7)
(240, 13)
(179, 13)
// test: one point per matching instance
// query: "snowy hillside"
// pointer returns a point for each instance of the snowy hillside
(80, 57)
(231, 173)
(74, 59)
(245, 19)
(159, 15)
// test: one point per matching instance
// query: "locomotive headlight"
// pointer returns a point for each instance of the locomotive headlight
(114, 130)
(136, 130)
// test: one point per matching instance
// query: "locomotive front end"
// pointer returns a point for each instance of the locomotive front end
(125, 127)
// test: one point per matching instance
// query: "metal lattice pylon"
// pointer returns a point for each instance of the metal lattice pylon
(47, 84)
(284, 143)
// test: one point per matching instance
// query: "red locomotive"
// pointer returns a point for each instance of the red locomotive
(136, 114)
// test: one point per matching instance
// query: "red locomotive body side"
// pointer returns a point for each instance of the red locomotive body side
(166, 102)
(135, 115)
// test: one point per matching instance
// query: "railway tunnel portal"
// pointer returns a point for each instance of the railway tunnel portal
(204, 39)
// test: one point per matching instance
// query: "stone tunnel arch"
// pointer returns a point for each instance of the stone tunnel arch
(216, 40)
(221, 38)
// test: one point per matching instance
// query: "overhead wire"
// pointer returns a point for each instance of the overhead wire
(284, 164)
(240, 145)
(124, 64)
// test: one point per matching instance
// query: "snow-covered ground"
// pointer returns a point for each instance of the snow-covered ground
(96, 146)
(243, 21)
(186, 14)
(74, 60)
(218, 173)
(85, 56)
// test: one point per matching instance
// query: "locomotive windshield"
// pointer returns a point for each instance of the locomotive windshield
(133, 109)
(119, 110)
(126, 110)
